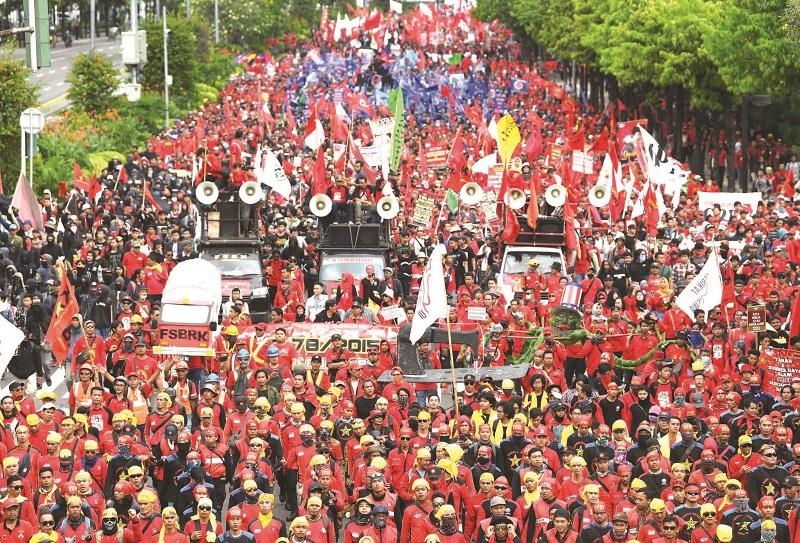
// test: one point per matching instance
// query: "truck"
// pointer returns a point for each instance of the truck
(348, 248)
(190, 307)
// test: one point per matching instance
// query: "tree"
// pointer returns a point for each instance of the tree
(93, 81)
(183, 56)
(16, 94)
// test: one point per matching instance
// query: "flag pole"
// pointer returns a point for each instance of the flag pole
(452, 368)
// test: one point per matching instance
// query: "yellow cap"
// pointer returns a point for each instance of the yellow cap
(74, 500)
(119, 417)
(638, 484)
(297, 408)
(507, 384)
(454, 451)
(420, 483)
(577, 461)
(83, 476)
(306, 429)
(619, 425)
(135, 470)
(318, 460)
(708, 508)
(110, 512)
(231, 330)
(266, 497)
(424, 415)
(325, 399)
(724, 533)
(366, 438)
(90, 445)
(720, 477)
(299, 521)
(137, 318)
(315, 500)
(261, 401)
(33, 420)
(10, 461)
(745, 439)
(529, 475)
(733, 482)
(486, 476)
(657, 505)
(249, 484)
(53, 437)
(378, 463)
(445, 510)
(698, 366)
(146, 496)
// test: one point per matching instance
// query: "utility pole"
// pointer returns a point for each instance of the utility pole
(166, 69)
(92, 16)
(188, 8)
(216, 21)
(134, 30)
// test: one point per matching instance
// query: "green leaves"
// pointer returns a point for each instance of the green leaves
(16, 94)
(183, 56)
(93, 81)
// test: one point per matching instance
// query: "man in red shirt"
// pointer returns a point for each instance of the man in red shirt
(134, 259)
(14, 529)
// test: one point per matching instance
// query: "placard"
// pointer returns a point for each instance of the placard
(780, 367)
(381, 127)
(436, 156)
(423, 211)
(477, 313)
(393, 312)
(488, 205)
(757, 318)
(582, 162)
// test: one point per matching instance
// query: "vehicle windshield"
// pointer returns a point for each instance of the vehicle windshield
(231, 265)
(184, 314)
(517, 261)
(334, 265)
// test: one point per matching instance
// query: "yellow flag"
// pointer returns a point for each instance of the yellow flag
(508, 138)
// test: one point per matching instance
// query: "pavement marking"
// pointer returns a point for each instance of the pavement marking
(51, 103)
(60, 84)
(63, 68)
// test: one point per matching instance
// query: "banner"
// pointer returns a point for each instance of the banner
(436, 156)
(432, 298)
(780, 366)
(65, 308)
(398, 130)
(508, 138)
(488, 205)
(726, 200)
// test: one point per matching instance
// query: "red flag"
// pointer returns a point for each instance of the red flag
(788, 185)
(576, 141)
(550, 65)
(651, 210)
(456, 157)
(123, 175)
(65, 308)
(570, 236)
(600, 144)
(356, 154)
(511, 230)
(339, 130)
(533, 146)
(373, 21)
(80, 181)
(533, 204)
(94, 188)
(148, 196)
(320, 183)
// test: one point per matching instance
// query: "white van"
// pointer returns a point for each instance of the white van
(514, 265)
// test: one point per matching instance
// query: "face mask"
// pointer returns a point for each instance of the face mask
(679, 401)
(619, 457)
(127, 347)
(767, 536)
(402, 401)
(307, 441)
(602, 441)
(379, 522)
(483, 461)
(642, 258)
(192, 464)
(125, 451)
(183, 448)
(110, 525)
(448, 526)
(643, 436)
(241, 408)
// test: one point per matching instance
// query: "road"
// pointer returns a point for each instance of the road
(52, 80)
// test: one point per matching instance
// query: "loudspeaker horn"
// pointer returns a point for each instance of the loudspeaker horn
(321, 205)
(555, 195)
(515, 198)
(250, 193)
(471, 193)
(599, 195)
(207, 193)
(388, 207)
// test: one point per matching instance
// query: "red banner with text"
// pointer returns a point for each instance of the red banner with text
(780, 367)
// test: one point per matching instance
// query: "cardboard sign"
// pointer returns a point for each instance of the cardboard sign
(488, 205)
(476, 313)
(393, 312)
(757, 318)
(582, 162)
(381, 127)
(423, 211)
(780, 367)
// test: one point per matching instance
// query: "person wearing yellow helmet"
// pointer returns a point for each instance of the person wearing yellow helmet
(225, 349)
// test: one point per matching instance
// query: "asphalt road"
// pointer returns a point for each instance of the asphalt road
(52, 80)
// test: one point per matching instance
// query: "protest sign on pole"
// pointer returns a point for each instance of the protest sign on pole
(780, 366)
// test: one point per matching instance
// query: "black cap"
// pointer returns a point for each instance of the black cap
(499, 520)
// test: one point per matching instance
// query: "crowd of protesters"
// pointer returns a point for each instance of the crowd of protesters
(690, 446)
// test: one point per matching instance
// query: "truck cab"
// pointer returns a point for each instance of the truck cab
(348, 248)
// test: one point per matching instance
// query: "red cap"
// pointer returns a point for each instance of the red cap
(623, 469)
(746, 367)
(652, 455)
(125, 440)
(540, 431)
(707, 453)
(547, 330)
(766, 500)
(397, 368)
(261, 326)
(406, 432)
(484, 449)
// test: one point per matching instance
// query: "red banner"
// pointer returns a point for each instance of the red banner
(310, 339)
(780, 366)
(436, 155)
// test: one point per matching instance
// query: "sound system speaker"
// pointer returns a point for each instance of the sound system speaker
(354, 236)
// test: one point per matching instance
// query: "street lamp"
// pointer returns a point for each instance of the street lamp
(757, 100)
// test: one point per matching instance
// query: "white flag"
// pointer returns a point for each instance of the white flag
(483, 165)
(272, 175)
(638, 206)
(395, 6)
(432, 298)
(10, 338)
(425, 10)
(705, 290)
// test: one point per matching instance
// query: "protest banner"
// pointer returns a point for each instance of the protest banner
(757, 318)
(726, 201)
(476, 313)
(393, 312)
(423, 211)
(780, 366)
(436, 155)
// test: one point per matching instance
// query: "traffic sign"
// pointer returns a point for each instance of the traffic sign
(31, 120)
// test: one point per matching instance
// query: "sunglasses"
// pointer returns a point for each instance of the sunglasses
(17, 487)
(670, 528)
(204, 508)
(693, 493)
(168, 517)
(769, 455)
(709, 514)
(405, 439)
(47, 523)
(500, 487)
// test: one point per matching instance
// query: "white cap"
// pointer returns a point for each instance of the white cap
(48, 405)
